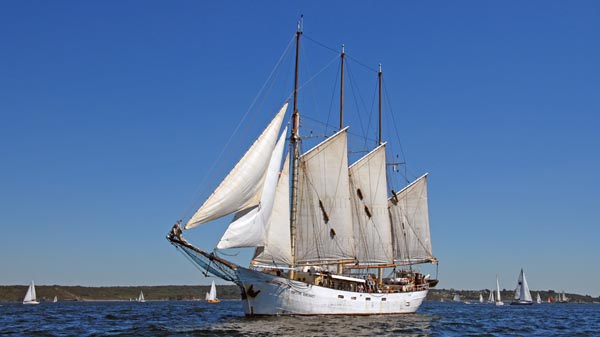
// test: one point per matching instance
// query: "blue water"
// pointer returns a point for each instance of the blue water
(226, 319)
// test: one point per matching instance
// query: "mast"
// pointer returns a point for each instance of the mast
(379, 75)
(296, 154)
(342, 89)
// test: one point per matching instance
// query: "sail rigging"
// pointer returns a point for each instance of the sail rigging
(277, 247)
(324, 222)
(249, 227)
(313, 221)
(372, 228)
(241, 188)
(410, 223)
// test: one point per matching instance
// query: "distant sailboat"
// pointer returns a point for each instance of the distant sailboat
(55, 299)
(522, 294)
(480, 298)
(456, 298)
(561, 298)
(30, 297)
(491, 297)
(539, 299)
(498, 298)
(211, 296)
(141, 297)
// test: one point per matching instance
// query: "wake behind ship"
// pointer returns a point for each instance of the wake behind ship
(330, 238)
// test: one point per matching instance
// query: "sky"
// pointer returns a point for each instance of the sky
(112, 114)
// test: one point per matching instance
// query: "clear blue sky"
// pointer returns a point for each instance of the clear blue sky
(112, 112)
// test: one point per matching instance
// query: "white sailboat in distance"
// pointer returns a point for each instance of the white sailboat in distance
(211, 296)
(491, 297)
(141, 298)
(539, 299)
(498, 298)
(30, 297)
(55, 299)
(522, 293)
(325, 228)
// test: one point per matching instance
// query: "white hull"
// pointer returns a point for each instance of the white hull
(31, 302)
(272, 295)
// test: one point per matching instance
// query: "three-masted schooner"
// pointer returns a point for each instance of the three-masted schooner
(315, 226)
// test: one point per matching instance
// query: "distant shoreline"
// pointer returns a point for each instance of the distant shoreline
(46, 293)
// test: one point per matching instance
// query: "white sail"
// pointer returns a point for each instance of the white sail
(249, 227)
(491, 297)
(456, 298)
(324, 230)
(30, 296)
(277, 249)
(410, 223)
(522, 290)
(242, 186)
(207, 296)
(141, 297)
(498, 297)
(368, 194)
(539, 299)
(480, 298)
(55, 299)
(212, 295)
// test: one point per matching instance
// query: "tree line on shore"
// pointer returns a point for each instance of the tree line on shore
(15, 293)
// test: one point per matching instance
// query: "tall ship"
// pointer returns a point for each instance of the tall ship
(331, 236)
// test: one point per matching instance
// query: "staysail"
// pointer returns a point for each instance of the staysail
(242, 187)
(248, 228)
(324, 231)
(410, 223)
(277, 247)
(368, 194)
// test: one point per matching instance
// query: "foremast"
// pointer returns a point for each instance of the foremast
(294, 143)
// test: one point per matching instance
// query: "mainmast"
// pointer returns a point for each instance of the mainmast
(296, 153)
(342, 90)
(380, 75)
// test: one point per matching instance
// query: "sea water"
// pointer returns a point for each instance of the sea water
(189, 318)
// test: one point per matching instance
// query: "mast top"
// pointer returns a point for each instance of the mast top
(380, 68)
(299, 23)
(343, 49)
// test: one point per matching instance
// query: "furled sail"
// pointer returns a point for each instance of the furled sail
(410, 223)
(324, 220)
(368, 194)
(249, 227)
(277, 248)
(242, 186)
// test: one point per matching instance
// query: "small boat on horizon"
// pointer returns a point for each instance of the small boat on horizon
(30, 297)
(55, 299)
(211, 296)
(498, 298)
(539, 299)
(522, 293)
(141, 297)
